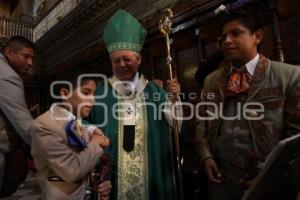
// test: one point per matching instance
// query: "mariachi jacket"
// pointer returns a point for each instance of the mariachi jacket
(274, 85)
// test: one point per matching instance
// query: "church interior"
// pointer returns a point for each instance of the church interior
(68, 35)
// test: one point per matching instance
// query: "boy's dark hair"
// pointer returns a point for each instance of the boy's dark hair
(19, 42)
(249, 21)
(71, 77)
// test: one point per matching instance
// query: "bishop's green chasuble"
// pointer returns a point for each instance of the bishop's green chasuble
(146, 172)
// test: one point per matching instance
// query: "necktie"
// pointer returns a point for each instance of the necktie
(75, 134)
(79, 129)
(239, 82)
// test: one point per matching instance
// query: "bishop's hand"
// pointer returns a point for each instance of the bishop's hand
(173, 87)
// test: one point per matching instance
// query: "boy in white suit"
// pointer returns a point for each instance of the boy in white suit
(64, 159)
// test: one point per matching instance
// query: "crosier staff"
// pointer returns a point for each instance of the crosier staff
(165, 27)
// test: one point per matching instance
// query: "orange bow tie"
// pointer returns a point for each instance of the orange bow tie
(239, 82)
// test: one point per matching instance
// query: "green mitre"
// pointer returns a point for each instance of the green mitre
(123, 32)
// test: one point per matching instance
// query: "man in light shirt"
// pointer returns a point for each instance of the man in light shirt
(15, 118)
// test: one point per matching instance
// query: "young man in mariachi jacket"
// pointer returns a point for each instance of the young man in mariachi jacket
(257, 102)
